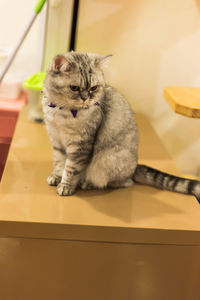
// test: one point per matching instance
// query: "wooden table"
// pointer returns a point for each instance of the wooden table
(135, 243)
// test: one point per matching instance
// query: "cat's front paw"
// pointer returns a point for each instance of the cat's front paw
(53, 179)
(64, 190)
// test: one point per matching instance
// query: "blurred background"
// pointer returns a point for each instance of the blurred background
(156, 43)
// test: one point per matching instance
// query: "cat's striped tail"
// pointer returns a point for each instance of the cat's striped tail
(149, 176)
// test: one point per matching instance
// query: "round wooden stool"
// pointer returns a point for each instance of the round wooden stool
(184, 100)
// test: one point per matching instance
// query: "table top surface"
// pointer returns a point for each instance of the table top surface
(26, 198)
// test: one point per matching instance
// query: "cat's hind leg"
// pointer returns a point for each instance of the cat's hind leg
(121, 184)
(111, 169)
(53, 179)
(86, 185)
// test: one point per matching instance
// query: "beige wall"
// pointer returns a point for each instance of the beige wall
(156, 43)
(14, 16)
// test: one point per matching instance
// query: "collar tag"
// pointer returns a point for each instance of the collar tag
(74, 112)
(52, 105)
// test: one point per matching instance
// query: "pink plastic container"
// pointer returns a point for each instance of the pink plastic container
(9, 111)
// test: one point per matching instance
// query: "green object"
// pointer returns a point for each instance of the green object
(39, 6)
(35, 81)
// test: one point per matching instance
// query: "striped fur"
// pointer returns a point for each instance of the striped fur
(93, 131)
(149, 176)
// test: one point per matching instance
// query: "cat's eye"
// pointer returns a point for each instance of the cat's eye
(93, 88)
(74, 88)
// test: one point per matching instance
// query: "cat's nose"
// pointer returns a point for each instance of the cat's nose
(84, 96)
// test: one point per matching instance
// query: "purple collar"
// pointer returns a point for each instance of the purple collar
(73, 111)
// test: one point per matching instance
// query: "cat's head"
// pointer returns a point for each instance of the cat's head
(75, 80)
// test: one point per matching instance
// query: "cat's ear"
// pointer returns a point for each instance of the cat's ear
(60, 64)
(102, 61)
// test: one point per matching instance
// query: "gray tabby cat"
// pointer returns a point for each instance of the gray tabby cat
(93, 131)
